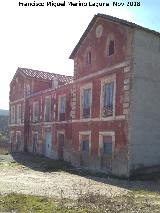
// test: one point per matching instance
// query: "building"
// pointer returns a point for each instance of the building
(107, 117)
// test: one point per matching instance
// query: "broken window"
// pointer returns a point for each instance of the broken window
(111, 47)
(108, 90)
(47, 109)
(36, 111)
(19, 113)
(62, 108)
(86, 103)
(12, 119)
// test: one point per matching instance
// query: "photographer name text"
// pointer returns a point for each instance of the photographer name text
(77, 4)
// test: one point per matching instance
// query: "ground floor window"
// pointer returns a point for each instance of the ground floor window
(106, 143)
(35, 141)
(18, 140)
(106, 149)
(85, 141)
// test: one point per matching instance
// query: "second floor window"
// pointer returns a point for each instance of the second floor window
(19, 113)
(86, 103)
(111, 47)
(108, 90)
(47, 109)
(12, 119)
(36, 111)
(88, 58)
(62, 108)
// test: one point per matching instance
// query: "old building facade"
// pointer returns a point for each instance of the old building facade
(100, 118)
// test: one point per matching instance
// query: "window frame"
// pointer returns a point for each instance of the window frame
(37, 135)
(104, 81)
(89, 58)
(18, 132)
(81, 133)
(109, 134)
(111, 42)
(82, 88)
(12, 120)
(36, 118)
(19, 113)
(47, 97)
(59, 104)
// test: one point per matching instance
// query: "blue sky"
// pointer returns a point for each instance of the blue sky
(43, 38)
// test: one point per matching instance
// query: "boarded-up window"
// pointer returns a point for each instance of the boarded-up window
(36, 111)
(108, 90)
(85, 143)
(12, 118)
(47, 109)
(19, 113)
(62, 108)
(111, 47)
(86, 103)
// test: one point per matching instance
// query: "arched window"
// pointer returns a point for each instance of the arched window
(111, 47)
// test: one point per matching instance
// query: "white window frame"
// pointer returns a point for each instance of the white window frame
(81, 133)
(82, 88)
(104, 133)
(59, 99)
(19, 113)
(108, 80)
(35, 118)
(13, 111)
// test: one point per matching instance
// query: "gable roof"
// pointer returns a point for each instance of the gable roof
(109, 18)
(41, 75)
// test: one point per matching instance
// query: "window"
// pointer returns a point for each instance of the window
(28, 89)
(12, 114)
(107, 99)
(89, 58)
(35, 141)
(36, 111)
(111, 47)
(85, 143)
(47, 109)
(19, 112)
(106, 143)
(18, 140)
(84, 138)
(62, 107)
(86, 103)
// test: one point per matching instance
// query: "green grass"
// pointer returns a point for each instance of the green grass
(135, 201)
(35, 204)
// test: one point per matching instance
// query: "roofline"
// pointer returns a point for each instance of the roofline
(113, 19)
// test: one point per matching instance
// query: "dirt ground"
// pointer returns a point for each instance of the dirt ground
(22, 174)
